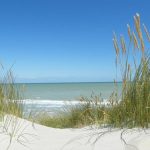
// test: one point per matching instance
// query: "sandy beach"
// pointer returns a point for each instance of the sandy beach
(33, 136)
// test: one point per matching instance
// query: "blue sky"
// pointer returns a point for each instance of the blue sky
(64, 40)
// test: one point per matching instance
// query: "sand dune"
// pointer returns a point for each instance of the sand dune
(37, 137)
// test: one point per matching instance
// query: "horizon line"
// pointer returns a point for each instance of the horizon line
(66, 82)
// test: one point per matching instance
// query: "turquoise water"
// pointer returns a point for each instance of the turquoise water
(51, 96)
(66, 91)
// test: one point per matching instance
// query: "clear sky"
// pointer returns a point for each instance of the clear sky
(64, 40)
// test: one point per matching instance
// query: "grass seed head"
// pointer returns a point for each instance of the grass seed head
(135, 41)
(147, 33)
(123, 45)
(116, 46)
(129, 32)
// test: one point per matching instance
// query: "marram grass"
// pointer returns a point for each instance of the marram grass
(132, 108)
(10, 108)
(10, 102)
(87, 112)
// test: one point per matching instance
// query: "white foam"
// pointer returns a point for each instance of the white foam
(49, 102)
(55, 102)
(50, 106)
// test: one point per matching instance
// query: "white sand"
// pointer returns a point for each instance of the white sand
(39, 137)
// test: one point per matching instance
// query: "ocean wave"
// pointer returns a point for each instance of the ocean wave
(55, 102)
(49, 102)
(50, 106)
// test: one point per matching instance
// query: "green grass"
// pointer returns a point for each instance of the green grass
(10, 102)
(134, 63)
(133, 110)
(11, 107)
(88, 111)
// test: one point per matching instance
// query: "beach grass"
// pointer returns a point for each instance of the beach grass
(11, 107)
(10, 99)
(134, 63)
(131, 108)
(87, 112)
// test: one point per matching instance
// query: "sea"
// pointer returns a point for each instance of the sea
(50, 97)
